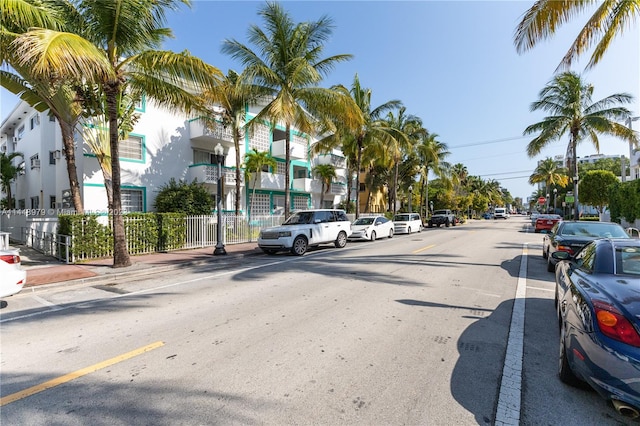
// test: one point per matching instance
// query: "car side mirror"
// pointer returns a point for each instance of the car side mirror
(561, 255)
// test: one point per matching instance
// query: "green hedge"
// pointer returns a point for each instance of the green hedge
(145, 233)
(624, 201)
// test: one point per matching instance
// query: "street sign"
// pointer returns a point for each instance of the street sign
(542, 200)
(569, 198)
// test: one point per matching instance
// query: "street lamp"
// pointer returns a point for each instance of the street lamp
(219, 156)
(431, 205)
(555, 198)
(410, 194)
(548, 202)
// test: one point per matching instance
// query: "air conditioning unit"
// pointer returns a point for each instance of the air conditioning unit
(16, 139)
(35, 164)
(57, 154)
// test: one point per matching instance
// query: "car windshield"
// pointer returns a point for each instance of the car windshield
(442, 212)
(364, 221)
(594, 229)
(401, 218)
(300, 218)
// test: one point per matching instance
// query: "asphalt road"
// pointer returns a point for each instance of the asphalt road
(412, 330)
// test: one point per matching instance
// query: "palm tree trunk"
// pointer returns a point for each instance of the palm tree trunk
(358, 165)
(574, 166)
(68, 143)
(120, 253)
(236, 143)
(287, 178)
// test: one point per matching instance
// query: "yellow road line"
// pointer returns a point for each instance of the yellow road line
(423, 249)
(79, 373)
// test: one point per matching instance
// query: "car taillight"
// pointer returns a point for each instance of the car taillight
(10, 258)
(613, 324)
(566, 248)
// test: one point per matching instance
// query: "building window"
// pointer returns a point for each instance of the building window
(131, 148)
(21, 204)
(35, 202)
(35, 161)
(52, 118)
(132, 200)
(52, 201)
(52, 157)
(34, 121)
(20, 133)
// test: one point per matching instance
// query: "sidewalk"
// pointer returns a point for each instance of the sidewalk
(44, 270)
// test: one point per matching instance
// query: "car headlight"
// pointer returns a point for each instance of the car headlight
(284, 234)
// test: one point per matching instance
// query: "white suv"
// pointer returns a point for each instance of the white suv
(304, 229)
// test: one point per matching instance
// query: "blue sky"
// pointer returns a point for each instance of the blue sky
(452, 63)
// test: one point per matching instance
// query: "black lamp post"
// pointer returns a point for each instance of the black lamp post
(219, 155)
(410, 194)
(555, 198)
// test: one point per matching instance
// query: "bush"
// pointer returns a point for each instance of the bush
(192, 199)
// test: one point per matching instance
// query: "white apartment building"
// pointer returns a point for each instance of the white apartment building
(164, 145)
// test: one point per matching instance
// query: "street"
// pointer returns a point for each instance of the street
(411, 330)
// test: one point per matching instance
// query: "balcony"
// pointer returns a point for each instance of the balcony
(307, 185)
(297, 151)
(335, 160)
(267, 181)
(315, 186)
(198, 132)
(208, 173)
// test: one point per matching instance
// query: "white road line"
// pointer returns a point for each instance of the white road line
(509, 399)
(542, 289)
(90, 303)
(53, 306)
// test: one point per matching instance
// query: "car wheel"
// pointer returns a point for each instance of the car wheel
(550, 266)
(269, 251)
(454, 222)
(390, 233)
(419, 228)
(564, 369)
(341, 241)
(447, 223)
(544, 253)
(409, 230)
(373, 236)
(430, 225)
(299, 246)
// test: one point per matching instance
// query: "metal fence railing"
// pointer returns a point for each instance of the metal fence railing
(200, 231)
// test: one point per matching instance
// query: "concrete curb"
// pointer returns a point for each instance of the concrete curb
(122, 275)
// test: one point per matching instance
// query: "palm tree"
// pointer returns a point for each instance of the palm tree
(42, 92)
(327, 174)
(288, 63)
(233, 95)
(254, 163)
(114, 46)
(543, 19)
(8, 173)
(548, 172)
(431, 153)
(359, 140)
(568, 101)
(406, 130)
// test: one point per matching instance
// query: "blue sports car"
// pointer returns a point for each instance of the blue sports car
(598, 305)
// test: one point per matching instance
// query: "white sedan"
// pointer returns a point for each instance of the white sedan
(13, 276)
(371, 228)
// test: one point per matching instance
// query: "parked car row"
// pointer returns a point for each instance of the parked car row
(311, 228)
(597, 283)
